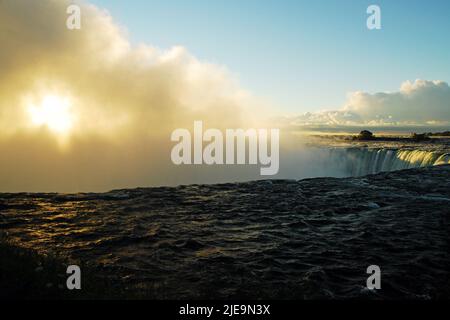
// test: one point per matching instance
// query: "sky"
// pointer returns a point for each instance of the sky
(94, 109)
(290, 51)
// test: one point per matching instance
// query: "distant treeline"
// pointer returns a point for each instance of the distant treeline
(366, 135)
(438, 134)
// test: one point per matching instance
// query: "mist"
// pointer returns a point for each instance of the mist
(124, 103)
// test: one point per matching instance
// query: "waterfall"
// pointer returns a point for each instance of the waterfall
(363, 161)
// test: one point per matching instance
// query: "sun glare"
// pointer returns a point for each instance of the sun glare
(53, 112)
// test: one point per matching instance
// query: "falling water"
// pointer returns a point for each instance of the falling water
(363, 161)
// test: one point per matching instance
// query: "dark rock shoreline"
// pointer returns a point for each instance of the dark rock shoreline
(307, 239)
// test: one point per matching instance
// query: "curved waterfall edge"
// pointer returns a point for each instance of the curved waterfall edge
(363, 161)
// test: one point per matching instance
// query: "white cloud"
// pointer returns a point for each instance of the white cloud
(125, 101)
(416, 103)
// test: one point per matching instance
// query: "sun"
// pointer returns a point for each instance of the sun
(53, 112)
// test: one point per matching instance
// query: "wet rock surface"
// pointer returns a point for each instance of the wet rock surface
(280, 239)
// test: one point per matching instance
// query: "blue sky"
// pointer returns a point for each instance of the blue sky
(300, 55)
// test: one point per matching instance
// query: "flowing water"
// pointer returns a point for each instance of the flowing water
(268, 239)
(363, 161)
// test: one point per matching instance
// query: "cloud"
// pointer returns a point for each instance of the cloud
(125, 101)
(416, 103)
(109, 80)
